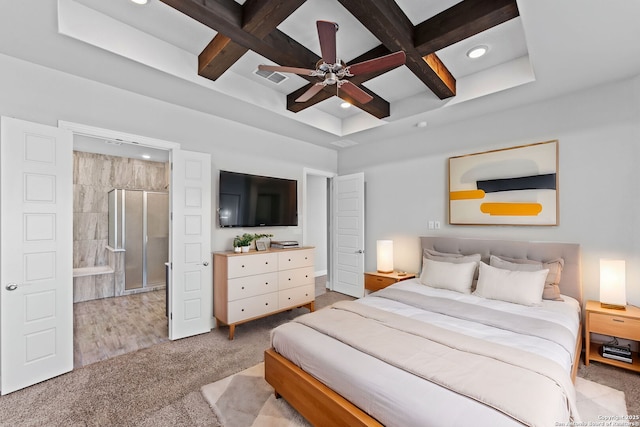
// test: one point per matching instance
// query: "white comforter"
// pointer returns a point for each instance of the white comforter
(398, 398)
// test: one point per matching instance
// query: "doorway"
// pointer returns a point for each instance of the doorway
(121, 247)
(317, 221)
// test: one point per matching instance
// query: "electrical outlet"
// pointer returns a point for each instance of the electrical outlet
(436, 225)
(431, 225)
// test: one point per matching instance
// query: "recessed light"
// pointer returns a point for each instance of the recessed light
(345, 105)
(422, 124)
(477, 51)
(145, 156)
(139, 1)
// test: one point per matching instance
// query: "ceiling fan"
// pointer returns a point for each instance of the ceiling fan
(332, 71)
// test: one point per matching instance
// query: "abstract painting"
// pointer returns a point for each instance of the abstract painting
(511, 186)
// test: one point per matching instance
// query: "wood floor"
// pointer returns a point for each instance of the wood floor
(108, 327)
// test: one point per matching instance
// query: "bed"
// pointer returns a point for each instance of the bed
(413, 354)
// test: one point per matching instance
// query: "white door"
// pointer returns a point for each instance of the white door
(191, 287)
(36, 264)
(348, 235)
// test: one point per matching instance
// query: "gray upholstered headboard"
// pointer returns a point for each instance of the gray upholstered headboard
(571, 279)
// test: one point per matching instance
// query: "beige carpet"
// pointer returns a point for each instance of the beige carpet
(245, 399)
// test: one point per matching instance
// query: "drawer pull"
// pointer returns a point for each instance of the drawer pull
(242, 287)
(306, 275)
(242, 265)
(266, 262)
(618, 320)
(289, 259)
(266, 303)
(289, 298)
(242, 309)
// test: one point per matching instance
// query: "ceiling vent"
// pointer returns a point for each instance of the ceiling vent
(272, 76)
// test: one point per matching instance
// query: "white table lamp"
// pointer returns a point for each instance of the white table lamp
(385, 256)
(612, 284)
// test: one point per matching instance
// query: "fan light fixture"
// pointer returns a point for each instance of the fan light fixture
(345, 105)
(477, 51)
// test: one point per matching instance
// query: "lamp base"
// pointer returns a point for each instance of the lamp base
(385, 272)
(612, 306)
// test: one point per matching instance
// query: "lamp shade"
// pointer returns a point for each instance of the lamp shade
(612, 283)
(385, 256)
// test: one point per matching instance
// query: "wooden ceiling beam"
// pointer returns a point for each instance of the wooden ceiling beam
(388, 23)
(259, 18)
(462, 21)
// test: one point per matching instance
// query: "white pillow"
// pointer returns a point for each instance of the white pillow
(520, 287)
(448, 275)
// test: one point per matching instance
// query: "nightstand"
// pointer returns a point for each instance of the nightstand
(374, 281)
(616, 323)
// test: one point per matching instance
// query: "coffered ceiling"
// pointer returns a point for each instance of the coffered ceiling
(206, 53)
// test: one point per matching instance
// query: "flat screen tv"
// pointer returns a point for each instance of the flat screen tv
(256, 201)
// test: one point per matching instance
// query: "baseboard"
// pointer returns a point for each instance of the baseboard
(321, 273)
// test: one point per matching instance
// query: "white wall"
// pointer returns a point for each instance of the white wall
(35, 93)
(599, 151)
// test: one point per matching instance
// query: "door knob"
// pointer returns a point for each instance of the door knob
(12, 287)
(206, 263)
(359, 251)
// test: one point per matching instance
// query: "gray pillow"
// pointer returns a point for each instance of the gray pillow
(551, 284)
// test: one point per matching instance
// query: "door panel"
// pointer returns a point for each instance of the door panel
(348, 235)
(36, 277)
(191, 293)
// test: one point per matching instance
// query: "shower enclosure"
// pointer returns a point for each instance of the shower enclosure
(139, 224)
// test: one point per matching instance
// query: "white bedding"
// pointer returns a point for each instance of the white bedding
(397, 398)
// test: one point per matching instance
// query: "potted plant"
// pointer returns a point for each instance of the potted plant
(243, 243)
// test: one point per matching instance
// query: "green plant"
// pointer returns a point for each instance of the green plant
(247, 238)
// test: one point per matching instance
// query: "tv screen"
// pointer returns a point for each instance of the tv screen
(254, 201)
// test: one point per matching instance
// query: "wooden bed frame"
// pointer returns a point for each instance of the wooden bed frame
(322, 406)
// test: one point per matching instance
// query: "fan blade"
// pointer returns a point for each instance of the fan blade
(310, 92)
(303, 71)
(327, 35)
(355, 92)
(378, 64)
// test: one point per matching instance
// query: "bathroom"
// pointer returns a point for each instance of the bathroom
(120, 219)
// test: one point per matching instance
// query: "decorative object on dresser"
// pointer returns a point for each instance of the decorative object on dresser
(374, 280)
(248, 286)
(511, 186)
(243, 243)
(615, 323)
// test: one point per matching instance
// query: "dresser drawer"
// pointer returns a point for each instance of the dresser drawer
(244, 287)
(248, 265)
(616, 326)
(248, 308)
(295, 259)
(293, 278)
(296, 296)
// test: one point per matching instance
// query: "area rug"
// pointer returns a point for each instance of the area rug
(245, 399)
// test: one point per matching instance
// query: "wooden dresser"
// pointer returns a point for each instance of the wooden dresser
(247, 286)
